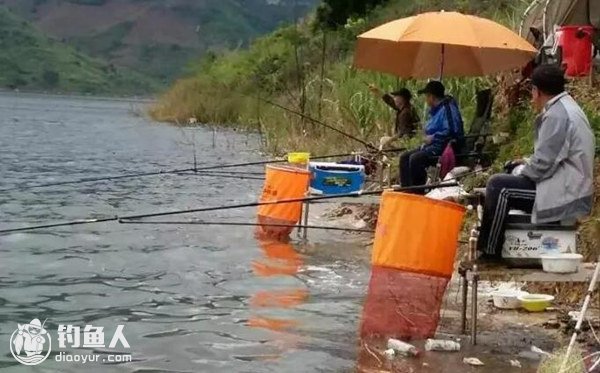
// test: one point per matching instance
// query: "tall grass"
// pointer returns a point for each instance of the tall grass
(227, 90)
(574, 364)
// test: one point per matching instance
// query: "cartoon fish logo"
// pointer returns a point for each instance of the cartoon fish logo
(30, 344)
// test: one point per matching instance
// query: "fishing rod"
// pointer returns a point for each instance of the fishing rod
(291, 200)
(453, 182)
(235, 172)
(126, 218)
(224, 176)
(183, 171)
(236, 224)
(319, 122)
(96, 179)
(66, 224)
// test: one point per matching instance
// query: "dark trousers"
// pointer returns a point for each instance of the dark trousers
(503, 193)
(413, 167)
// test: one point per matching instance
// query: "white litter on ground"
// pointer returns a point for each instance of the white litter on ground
(473, 361)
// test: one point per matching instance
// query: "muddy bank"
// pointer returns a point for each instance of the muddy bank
(507, 340)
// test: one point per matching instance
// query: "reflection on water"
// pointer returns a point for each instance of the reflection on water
(280, 259)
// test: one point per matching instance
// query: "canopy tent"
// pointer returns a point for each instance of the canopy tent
(542, 15)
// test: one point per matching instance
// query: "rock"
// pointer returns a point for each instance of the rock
(515, 363)
(360, 224)
(473, 361)
(552, 324)
(389, 353)
(342, 211)
(539, 351)
(529, 355)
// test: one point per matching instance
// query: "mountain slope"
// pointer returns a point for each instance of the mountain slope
(157, 37)
(30, 60)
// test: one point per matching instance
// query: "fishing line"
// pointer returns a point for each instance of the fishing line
(96, 179)
(175, 171)
(122, 219)
(240, 224)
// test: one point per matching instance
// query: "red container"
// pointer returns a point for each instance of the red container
(577, 47)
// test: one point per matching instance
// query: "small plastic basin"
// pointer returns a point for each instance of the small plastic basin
(535, 302)
(561, 263)
(507, 299)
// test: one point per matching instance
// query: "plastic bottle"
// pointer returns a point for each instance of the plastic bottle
(441, 345)
(402, 347)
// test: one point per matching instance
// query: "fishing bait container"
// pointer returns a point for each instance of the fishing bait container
(282, 182)
(525, 244)
(413, 260)
(334, 178)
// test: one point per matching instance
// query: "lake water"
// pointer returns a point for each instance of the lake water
(190, 298)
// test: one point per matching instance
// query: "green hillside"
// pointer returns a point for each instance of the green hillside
(157, 37)
(30, 60)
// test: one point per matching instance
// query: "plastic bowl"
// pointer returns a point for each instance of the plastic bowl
(561, 263)
(536, 302)
(299, 158)
(507, 299)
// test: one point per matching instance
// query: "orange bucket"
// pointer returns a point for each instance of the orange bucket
(417, 234)
(282, 183)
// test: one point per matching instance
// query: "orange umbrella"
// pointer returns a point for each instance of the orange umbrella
(439, 44)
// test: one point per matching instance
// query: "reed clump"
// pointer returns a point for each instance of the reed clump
(554, 362)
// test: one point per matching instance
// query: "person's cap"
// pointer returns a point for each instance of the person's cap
(435, 88)
(403, 92)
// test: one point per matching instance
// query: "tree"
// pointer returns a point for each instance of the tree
(334, 13)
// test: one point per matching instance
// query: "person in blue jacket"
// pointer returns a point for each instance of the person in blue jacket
(445, 124)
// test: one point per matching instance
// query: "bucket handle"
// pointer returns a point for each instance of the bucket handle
(582, 33)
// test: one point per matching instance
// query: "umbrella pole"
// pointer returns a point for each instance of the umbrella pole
(443, 61)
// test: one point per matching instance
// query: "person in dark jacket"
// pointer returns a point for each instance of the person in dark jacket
(407, 119)
(445, 123)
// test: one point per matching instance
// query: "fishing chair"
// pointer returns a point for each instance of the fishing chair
(471, 154)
